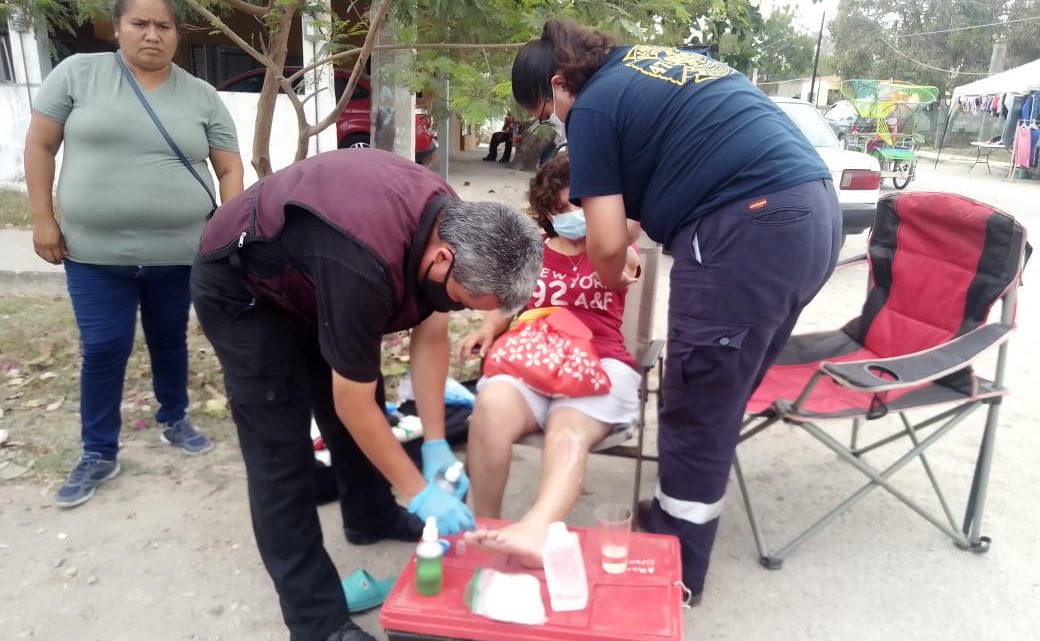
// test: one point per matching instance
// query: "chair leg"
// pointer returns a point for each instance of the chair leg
(644, 396)
(767, 561)
(879, 479)
(980, 483)
(855, 435)
(912, 435)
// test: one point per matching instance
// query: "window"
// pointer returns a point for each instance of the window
(360, 93)
(6, 60)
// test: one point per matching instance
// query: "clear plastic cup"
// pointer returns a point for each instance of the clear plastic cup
(614, 526)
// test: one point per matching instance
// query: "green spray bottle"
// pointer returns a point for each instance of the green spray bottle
(429, 561)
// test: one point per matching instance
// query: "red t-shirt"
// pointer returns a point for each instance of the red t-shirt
(571, 282)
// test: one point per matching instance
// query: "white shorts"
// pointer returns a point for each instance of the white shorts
(618, 407)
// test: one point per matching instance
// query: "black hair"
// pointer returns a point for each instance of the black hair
(566, 48)
(119, 8)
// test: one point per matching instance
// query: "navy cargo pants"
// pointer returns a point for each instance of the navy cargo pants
(740, 278)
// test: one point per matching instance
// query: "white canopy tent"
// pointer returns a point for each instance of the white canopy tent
(1020, 80)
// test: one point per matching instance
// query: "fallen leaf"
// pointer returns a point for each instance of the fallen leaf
(16, 382)
(215, 408)
(55, 405)
(33, 403)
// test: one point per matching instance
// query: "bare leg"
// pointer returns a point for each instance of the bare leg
(569, 435)
(500, 418)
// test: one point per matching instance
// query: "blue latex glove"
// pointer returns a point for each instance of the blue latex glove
(452, 514)
(437, 457)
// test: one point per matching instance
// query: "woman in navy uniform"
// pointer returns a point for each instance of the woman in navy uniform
(715, 172)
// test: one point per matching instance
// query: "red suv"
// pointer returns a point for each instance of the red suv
(353, 127)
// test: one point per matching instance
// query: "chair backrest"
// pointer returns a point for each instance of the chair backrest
(938, 262)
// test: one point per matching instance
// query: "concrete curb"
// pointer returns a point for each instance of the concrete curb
(32, 283)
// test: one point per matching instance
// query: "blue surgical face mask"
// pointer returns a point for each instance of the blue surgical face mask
(570, 225)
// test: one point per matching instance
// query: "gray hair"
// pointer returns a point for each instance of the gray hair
(498, 250)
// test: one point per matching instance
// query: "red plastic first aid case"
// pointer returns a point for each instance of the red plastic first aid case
(642, 604)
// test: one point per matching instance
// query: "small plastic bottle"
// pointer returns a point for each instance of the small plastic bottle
(429, 561)
(564, 569)
(447, 479)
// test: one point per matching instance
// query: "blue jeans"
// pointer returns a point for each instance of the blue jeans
(105, 299)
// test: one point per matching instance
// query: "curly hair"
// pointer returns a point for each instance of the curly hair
(565, 48)
(544, 194)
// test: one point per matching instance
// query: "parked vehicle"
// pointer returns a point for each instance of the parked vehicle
(840, 116)
(353, 127)
(857, 176)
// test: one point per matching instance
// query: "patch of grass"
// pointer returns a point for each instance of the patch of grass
(14, 209)
(39, 383)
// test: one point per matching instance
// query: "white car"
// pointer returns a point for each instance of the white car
(857, 176)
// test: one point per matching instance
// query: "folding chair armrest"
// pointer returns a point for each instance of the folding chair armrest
(651, 355)
(885, 374)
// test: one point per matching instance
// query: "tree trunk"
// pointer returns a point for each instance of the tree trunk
(533, 142)
(265, 105)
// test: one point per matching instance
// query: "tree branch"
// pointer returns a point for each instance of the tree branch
(246, 7)
(374, 25)
(424, 45)
(219, 24)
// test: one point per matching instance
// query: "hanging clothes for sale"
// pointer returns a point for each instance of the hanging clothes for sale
(1034, 135)
(1023, 146)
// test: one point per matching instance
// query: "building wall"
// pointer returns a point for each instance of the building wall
(826, 93)
(14, 122)
(30, 53)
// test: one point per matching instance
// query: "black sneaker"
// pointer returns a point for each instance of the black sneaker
(90, 472)
(350, 632)
(402, 526)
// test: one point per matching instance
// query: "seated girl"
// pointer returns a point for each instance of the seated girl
(506, 410)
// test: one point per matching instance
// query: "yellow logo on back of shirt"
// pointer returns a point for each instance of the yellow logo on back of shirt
(673, 65)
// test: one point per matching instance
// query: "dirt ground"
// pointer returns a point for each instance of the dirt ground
(165, 551)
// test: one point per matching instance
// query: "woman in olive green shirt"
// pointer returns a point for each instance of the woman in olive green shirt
(130, 217)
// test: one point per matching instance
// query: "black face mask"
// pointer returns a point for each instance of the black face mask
(436, 294)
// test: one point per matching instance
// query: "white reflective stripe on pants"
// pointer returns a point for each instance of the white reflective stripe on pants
(691, 511)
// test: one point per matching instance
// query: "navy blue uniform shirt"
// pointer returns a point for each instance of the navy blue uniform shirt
(679, 135)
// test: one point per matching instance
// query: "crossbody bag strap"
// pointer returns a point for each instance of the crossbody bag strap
(169, 141)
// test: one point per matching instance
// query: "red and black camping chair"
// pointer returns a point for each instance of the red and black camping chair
(938, 263)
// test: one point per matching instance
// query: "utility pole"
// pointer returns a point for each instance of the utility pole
(816, 62)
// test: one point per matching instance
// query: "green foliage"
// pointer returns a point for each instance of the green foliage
(780, 49)
(480, 78)
(896, 39)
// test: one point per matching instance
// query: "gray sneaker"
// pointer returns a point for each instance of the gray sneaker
(90, 472)
(183, 434)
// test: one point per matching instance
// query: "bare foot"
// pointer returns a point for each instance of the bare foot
(522, 541)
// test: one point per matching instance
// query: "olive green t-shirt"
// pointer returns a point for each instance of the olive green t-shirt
(123, 195)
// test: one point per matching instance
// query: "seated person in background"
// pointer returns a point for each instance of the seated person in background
(506, 410)
(510, 134)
